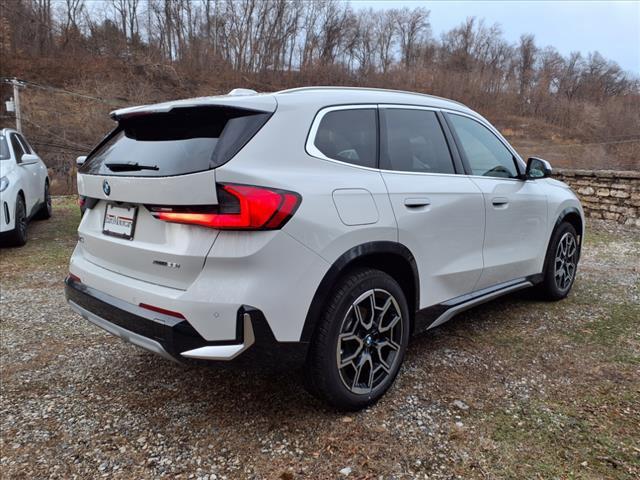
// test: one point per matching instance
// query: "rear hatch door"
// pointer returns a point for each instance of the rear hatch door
(159, 157)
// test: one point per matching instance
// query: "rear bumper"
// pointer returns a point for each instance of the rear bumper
(162, 334)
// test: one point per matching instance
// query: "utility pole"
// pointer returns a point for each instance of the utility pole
(16, 100)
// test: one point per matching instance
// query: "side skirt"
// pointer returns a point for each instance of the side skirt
(436, 315)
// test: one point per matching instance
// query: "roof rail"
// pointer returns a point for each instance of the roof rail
(372, 89)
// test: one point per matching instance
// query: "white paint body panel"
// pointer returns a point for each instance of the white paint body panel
(516, 229)
(458, 242)
(445, 236)
(192, 189)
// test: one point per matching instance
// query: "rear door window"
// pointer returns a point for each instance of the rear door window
(413, 141)
(349, 135)
(185, 140)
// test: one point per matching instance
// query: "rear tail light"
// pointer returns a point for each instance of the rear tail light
(240, 207)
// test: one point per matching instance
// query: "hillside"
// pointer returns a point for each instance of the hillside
(79, 64)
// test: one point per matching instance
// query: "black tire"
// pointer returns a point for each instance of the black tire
(560, 273)
(386, 338)
(18, 236)
(45, 211)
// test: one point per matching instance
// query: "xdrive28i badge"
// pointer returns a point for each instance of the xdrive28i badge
(106, 188)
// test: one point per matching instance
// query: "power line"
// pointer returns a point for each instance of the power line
(59, 147)
(79, 145)
(69, 92)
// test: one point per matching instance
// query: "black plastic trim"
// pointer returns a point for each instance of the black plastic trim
(341, 265)
(453, 147)
(426, 316)
(561, 218)
(563, 214)
(177, 336)
(174, 338)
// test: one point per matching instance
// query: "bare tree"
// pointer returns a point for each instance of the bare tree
(413, 26)
(526, 61)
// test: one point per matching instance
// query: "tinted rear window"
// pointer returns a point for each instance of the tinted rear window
(349, 136)
(186, 140)
(414, 142)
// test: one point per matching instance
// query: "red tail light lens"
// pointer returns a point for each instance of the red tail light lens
(241, 207)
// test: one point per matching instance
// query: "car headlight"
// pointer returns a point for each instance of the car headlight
(4, 183)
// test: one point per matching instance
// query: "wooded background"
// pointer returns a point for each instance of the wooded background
(81, 59)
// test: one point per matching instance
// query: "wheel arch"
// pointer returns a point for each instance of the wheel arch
(572, 216)
(390, 257)
(569, 215)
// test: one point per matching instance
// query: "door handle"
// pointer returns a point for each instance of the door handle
(416, 202)
(500, 202)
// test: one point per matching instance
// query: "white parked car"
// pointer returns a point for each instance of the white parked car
(24, 187)
(331, 222)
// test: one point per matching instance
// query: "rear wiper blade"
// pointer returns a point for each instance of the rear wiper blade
(129, 167)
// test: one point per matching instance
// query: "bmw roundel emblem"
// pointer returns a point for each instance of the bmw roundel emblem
(106, 188)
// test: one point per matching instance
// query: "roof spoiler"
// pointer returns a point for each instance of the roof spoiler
(244, 100)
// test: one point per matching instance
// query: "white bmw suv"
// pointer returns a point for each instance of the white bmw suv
(24, 187)
(328, 222)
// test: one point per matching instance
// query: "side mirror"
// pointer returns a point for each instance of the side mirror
(29, 159)
(537, 168)
(80, 160)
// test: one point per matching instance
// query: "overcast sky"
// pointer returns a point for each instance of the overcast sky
(610, 27)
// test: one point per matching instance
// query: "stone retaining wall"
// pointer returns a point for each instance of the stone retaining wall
(608, 194)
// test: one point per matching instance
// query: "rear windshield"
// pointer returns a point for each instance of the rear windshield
(185, 140)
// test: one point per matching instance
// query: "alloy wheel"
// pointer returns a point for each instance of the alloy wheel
(565, 261)
(21, 218)
(47, 198)
(369, 341)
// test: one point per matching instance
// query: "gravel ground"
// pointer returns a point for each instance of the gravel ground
(513, 389)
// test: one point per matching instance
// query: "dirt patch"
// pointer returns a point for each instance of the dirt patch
(517, 388)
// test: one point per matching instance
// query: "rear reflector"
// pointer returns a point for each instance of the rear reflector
(74, 278)
(161, 310)
(241, 207)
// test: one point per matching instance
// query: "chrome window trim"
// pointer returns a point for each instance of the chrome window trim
(310, 146)
(313, 151)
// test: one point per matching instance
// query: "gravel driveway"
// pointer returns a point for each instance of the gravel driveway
(513, 389)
